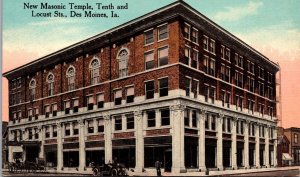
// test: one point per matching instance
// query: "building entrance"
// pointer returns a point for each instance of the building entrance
(32, 152)
(240, 153)
(210, 153)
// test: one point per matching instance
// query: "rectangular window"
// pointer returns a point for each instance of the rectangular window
(130, 121)
(163, 32)
(118, 123)
(251, 84)
(54, 131)
(151, 118)
(194, 61)
(206, 121)
(194, 36)
(187, 86)
(67, 129)
(50, 88)
(212, 94)
(32, 93)
(228, 125)
(118, 97)
(165, 117)
(149, 37)
(227, 54)
(213, 122)
(195, 88)
(163, 54)
(212, 46)
(54, 110)
(239, 79)
(163, 87)
(90, 126)
(71, 82)
(206, 92)
(30, 114)
(90, 102)
(187, 117)
(100, 125)
(212, 66)
(205, 43)
(75, 128)
(75, 105)
(261, 88)
(206, 64)
(67, 107)
(129, 94)
(260, 72)
(149, 60)
(47, 132)
(296, 138)
(47, 111)
(149, 86)
(223, 52)
(29, 134)
(187, 55)
(194, 118)
(186, 31)
(100, 100)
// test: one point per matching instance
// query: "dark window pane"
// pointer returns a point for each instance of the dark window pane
(100, 104)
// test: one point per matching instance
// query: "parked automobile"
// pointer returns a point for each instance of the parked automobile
(109, 169)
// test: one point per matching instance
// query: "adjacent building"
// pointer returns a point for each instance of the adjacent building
(292, 134)
(170, 85)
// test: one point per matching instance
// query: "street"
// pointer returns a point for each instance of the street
(272, 173)
(41, 174)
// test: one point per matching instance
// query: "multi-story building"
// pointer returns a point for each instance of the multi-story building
(170, 85)
(293, 135)
(283, 149)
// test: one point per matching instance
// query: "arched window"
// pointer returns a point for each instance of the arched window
(71, 78)
(94, 67)
(123, 56)
(50, 80)
(32, 86)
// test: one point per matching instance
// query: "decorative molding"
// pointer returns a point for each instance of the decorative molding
(177, 107)
(80, 122)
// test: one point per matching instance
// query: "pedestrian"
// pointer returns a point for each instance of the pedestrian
(158, 166)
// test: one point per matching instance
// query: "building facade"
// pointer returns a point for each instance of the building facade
(170, 85)
(292, 135)
(283, 149)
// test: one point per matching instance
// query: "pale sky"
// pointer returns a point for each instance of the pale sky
(270, 26)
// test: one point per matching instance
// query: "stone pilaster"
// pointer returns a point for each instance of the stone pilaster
(257, 164)
(267, 145)
(42, 140)
(108, 138)
(59, 146)
(177, 115)
(246, 144)
(81, 145)
(233, 144)
(139, 141)
(219, 122)
(201, 140)
(10, 152)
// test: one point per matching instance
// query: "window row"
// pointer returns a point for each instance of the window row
(162, 33)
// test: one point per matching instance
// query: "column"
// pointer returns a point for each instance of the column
(267, 145)
(219, 122)
(275, 147)
(139, 141)
(10, 152)
(201, 140)
(81, 145)
(59, 146)
(257, 164)
(107, 137)
(233, 144)
(177, 114)
(71, 128)
(246, 144)
(42, 140)
(157, 118)
(51, 131)
(95, 126)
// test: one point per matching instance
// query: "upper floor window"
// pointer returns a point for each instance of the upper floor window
(239, 79)
(118, 123)
(100, 100)
(187, 31)
(90, 102)
(227, 54)
(209, 65)
(194, 61)
(225, 73)
(75, 105)
(67, 129)
(238, 60)
(250, 67)
(163, 54)
(194, 36)
(151, 118)
(50, 80)
(205, 43)
(163, 87)
(149, 89)
(270, 77)
(32, 86)
(212, 47)
(130, 95)
(163, 32)
(149, 37)
(130, 121)
(223, 52)
(71, 78)
(149, 60)
(94, 67)
(261, 88)
(75, 128)
(251, 84)
(118, 97)
(296, 138)
(100, 125)
(54, 109)
(165, 116)
(123, 57)
(225, 98)
(260, 72)
(250, 106)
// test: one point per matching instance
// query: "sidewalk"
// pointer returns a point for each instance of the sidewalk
(152, 172)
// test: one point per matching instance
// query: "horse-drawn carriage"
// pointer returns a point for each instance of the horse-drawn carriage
(27, 166)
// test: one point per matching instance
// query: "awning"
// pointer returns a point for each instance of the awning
(286, 156)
